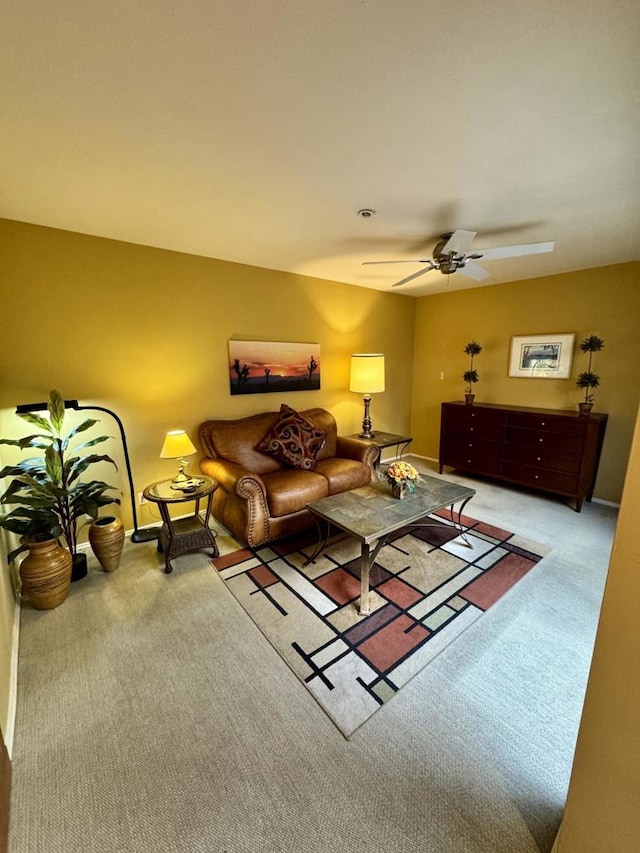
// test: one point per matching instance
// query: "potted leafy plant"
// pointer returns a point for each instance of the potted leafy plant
(470, 376)
(588, 379)
(49, 497)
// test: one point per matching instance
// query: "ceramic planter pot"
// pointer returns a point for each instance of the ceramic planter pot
(106, 536)
(46, 573)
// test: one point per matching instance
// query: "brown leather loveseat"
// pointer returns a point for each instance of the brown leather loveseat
(261, 497)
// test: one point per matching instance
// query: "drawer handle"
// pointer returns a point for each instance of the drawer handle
(543, 423)
(470, 444)
(538, 458)
(468, 460)
(536, 477)
(471, 430)
(541, 440)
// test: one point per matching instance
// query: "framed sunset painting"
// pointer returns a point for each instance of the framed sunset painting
(270, 367)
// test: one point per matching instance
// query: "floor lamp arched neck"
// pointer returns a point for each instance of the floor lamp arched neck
(146, 534)
(367, 378)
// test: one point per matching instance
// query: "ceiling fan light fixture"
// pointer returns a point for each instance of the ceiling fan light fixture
(451, 254)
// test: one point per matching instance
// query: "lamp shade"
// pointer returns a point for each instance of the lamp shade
(176, 444)
(367, 373)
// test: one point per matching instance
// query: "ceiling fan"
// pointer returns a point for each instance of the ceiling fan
(450, 255)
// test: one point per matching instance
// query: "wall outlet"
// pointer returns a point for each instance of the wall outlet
(142, 499)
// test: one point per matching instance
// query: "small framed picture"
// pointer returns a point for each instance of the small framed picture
(541, 356)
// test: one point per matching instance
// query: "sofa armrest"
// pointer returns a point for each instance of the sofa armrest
(241, 501)
(354, 448)
(233, 477)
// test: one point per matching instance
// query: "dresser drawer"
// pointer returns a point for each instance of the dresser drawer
(556, 441)
(467, 414)
(458, 446)
(566, 426)
(477, 429)
(543, 457)
(473, 461)
(555, 481)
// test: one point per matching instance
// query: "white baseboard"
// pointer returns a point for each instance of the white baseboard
(13, 681)
(420, 456)
(605, 503)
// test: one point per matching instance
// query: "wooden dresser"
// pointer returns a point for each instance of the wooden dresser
(550, 449)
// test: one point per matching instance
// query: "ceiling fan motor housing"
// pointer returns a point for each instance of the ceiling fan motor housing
(446, 262)
(442, 242)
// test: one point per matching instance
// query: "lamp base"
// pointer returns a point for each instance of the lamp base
(181, 477)
(366, 421)
(147, 534)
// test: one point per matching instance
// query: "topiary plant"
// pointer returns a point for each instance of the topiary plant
(471, 376)
(587, 379)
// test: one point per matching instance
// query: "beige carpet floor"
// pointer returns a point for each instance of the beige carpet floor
(154, 716)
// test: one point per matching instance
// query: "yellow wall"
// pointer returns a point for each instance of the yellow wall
(144, 332)
(604, 301)
(603, 804)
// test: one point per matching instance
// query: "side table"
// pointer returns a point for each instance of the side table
(386, 439)
(178, 536)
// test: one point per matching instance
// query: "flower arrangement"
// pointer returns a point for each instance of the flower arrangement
(401, 473)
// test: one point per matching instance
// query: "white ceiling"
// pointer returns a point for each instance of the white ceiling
(254, 130)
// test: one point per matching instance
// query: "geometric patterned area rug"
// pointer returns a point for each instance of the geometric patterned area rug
(427, 587)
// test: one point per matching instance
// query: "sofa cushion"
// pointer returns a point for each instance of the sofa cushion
(344, 474)
(293, 440)
(236, 440)
(324, 420)
(290, 491)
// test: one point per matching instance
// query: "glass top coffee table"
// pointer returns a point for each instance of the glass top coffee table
(371, 515)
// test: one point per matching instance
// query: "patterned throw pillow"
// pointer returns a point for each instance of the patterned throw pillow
(293, 440)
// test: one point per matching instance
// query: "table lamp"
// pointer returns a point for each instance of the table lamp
(367, 377)
(176, 445)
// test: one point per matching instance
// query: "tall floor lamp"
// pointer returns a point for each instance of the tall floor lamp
(139, 535)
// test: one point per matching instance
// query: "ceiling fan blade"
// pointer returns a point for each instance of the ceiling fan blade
(407, 261)
(515, 251)
(459, 242)
(472, 270)
(411, 277)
